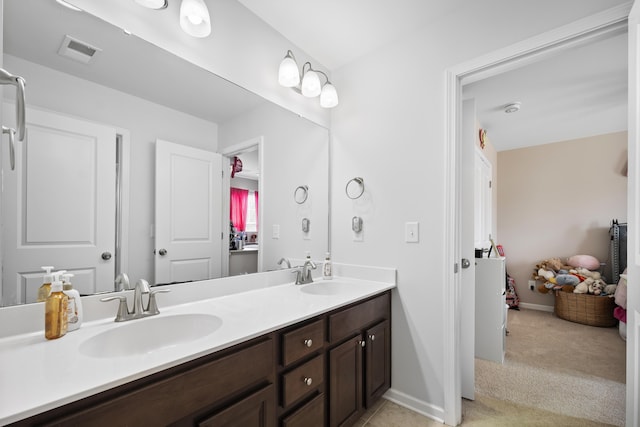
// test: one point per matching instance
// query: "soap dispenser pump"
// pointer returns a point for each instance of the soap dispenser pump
(327, 268)
(45, 289)
(55, 310)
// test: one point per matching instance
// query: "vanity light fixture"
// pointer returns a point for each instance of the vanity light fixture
(308, 82)
(194, 18)
(153, 4)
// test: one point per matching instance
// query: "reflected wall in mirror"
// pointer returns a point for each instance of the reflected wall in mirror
(131, 94)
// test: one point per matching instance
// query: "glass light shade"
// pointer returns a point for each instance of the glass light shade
(194, 18)
(311, 86)
(328, 96)
(152, 4)
(288, 75)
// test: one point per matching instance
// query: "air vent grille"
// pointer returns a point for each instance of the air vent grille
(78, 50)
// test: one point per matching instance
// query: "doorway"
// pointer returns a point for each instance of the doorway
(490, 65)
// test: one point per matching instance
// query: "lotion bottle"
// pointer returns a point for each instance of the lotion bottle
(55, 311)
(45, 289)
(74, 306)
(327, 268)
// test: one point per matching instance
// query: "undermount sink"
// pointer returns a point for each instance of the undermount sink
(150, 334)
(329, 288)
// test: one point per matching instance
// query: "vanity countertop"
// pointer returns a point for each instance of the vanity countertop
(38, 375)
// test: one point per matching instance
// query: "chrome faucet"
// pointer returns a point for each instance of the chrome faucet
(286, 261)
(303, 274)
(141, 288)
(122, 282)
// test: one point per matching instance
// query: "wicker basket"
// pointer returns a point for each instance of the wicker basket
(586, 309)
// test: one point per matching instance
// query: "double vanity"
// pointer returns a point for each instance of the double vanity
(258, 351)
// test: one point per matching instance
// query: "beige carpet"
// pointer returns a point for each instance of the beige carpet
(559, 366)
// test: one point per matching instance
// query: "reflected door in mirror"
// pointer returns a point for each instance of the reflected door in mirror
(188, 213)
(59, 206)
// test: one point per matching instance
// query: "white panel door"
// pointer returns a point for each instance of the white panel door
(58, 206)
(633, 243)
(188, 213)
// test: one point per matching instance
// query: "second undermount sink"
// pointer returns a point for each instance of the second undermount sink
(329, 288)
(150, 334)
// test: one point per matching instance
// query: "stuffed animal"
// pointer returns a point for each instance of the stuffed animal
(583, 287)
(610, 289)
(598, 287)
(565, 279)
(586, 261)
(595, 275)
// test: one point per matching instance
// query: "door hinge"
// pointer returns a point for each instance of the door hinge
(222, 235)
(489, 184)
(455, 268)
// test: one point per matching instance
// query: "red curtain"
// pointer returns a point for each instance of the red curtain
(238, 213)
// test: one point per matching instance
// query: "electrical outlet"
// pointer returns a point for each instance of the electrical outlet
(532, 285)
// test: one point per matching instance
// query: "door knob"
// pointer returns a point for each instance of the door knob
(162, 252)
(465, 263)
(106, 256)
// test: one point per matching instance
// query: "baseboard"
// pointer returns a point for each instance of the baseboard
(539, 307)
(436, 413)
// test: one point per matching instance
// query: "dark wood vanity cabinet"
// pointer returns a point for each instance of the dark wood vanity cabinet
(360, 365)
(321, 372)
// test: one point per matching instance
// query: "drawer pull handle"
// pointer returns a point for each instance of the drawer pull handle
(308, 342)
(372, 337)
(307, 380)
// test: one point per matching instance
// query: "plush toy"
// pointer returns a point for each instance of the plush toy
(610, 289)
(598, 287)
(545, 274)
(595, 275)
(583, 287)
(585, 261)
(565, 279)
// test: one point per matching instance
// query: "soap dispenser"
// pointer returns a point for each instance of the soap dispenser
(74, 306)
(55, 310)
(45, 289)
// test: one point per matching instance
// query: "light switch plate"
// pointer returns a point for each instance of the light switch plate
(275, 233)
(411, 232)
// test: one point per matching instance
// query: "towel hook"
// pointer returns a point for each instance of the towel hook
(353, 192)
(300, 194)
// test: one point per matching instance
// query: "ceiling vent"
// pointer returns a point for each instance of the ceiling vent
(78, 50)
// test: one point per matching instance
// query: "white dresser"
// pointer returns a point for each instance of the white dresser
(491, 309)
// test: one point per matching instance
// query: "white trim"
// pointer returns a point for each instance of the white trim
(539, 307)
(125, 188)
(598, 25)
(428, 410)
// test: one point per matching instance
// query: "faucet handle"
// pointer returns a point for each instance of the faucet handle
(152, 306)
(123, 309)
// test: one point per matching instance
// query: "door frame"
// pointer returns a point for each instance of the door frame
(229, 152)
(496, 62)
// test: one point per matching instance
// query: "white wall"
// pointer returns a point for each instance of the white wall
(296, 152)
(389, 129)
(145, 122)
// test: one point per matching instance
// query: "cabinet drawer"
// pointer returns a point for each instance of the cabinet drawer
(171, 399)
(257, 410)
(310, 415)
(351, 320)
(302, 341)
(302, 380)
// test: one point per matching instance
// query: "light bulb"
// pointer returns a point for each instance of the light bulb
(311, 84)
(328, 96)
(194, 18)
(288, 75)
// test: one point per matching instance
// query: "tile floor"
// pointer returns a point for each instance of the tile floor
(483, 412)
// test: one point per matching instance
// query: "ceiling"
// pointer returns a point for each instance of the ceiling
(581, 92)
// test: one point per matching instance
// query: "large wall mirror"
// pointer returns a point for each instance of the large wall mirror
(127, 160)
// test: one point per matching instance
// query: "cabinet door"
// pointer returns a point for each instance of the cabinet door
(257, 410)
(377, 362)
(345, 382)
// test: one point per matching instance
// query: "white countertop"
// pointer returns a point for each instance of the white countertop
(37, 375)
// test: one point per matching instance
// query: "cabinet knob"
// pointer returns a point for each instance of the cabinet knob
(308, 342)
(307, 380)
(372, 337)
(362, 343)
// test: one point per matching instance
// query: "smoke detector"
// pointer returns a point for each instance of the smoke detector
(77, 50)
(512, 108)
